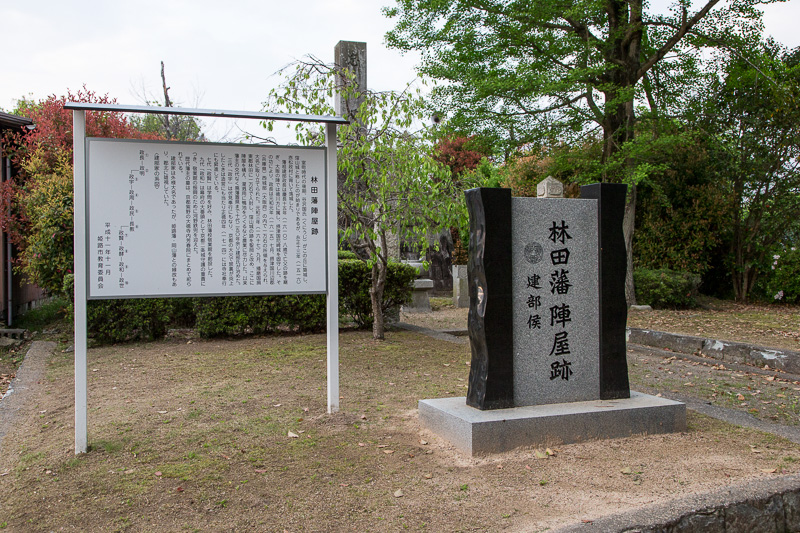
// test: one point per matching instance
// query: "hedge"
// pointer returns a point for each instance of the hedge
(111, 321)
(666, 289)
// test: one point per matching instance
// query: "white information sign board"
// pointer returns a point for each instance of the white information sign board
(200, 219)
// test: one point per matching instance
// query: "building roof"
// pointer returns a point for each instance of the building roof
(8, 121)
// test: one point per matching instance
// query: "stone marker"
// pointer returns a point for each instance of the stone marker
(538, 307)
(547, 326)
(550, 188)
(460, 286)
(352, 56)
(554, 264)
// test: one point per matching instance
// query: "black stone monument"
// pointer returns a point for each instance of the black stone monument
(491, 377)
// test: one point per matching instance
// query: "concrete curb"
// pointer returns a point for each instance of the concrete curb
(736, 352)
(770, 504)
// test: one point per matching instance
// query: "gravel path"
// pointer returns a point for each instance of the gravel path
(29, 373)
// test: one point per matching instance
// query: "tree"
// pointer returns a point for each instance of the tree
(388, 181)
(751, 115)
(683, 221)
(170, 127)
(524, 72)
(37, 204)
(460, 153)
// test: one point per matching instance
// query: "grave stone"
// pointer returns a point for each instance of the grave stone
(460, 286)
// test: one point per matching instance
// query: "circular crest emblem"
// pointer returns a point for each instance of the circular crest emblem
(533, 252)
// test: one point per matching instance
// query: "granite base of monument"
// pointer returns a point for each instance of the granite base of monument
(477, 432)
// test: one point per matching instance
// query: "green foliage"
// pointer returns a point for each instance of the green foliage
(485, 174)
(112, 321)
(354, 286)
(389, 182)
(346, 254)
(684, 210)
(751, 116)
(236, 315)
(666, 289)
(45, 204)
(783, 283)
(538, 73)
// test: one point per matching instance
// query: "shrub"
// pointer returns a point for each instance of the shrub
(236, 315)
(783, 284)
(666, 288)
(355, 280)
(45, 203)
(346, 254)
(111, 321)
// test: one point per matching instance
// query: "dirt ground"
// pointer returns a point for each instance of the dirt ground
(191, 435)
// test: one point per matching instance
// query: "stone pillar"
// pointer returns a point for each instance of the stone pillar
(491, 373)
(613, 307)
(460, 286)
(352, 56)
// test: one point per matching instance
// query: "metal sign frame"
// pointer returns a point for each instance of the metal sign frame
(80, 232)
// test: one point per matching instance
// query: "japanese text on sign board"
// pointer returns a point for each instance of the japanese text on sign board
(205, 219)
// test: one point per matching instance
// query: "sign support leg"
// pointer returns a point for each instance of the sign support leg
(333, 270)
(79, 228)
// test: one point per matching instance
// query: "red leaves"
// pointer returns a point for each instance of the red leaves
(459, 154)
(54, 123)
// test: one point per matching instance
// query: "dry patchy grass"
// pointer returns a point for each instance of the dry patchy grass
(775, 326)
(196, 437)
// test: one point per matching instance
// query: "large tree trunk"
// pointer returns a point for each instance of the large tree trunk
(744, 278)
(739, 275)
(744, 274)
(625, 25)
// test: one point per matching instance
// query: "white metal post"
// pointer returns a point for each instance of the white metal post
(333, 270)
(79, 229)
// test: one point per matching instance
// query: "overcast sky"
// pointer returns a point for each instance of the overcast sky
(218, 54)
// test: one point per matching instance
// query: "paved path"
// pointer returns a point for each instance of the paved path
(29, 374)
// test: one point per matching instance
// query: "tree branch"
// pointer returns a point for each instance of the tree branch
(682, 30)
